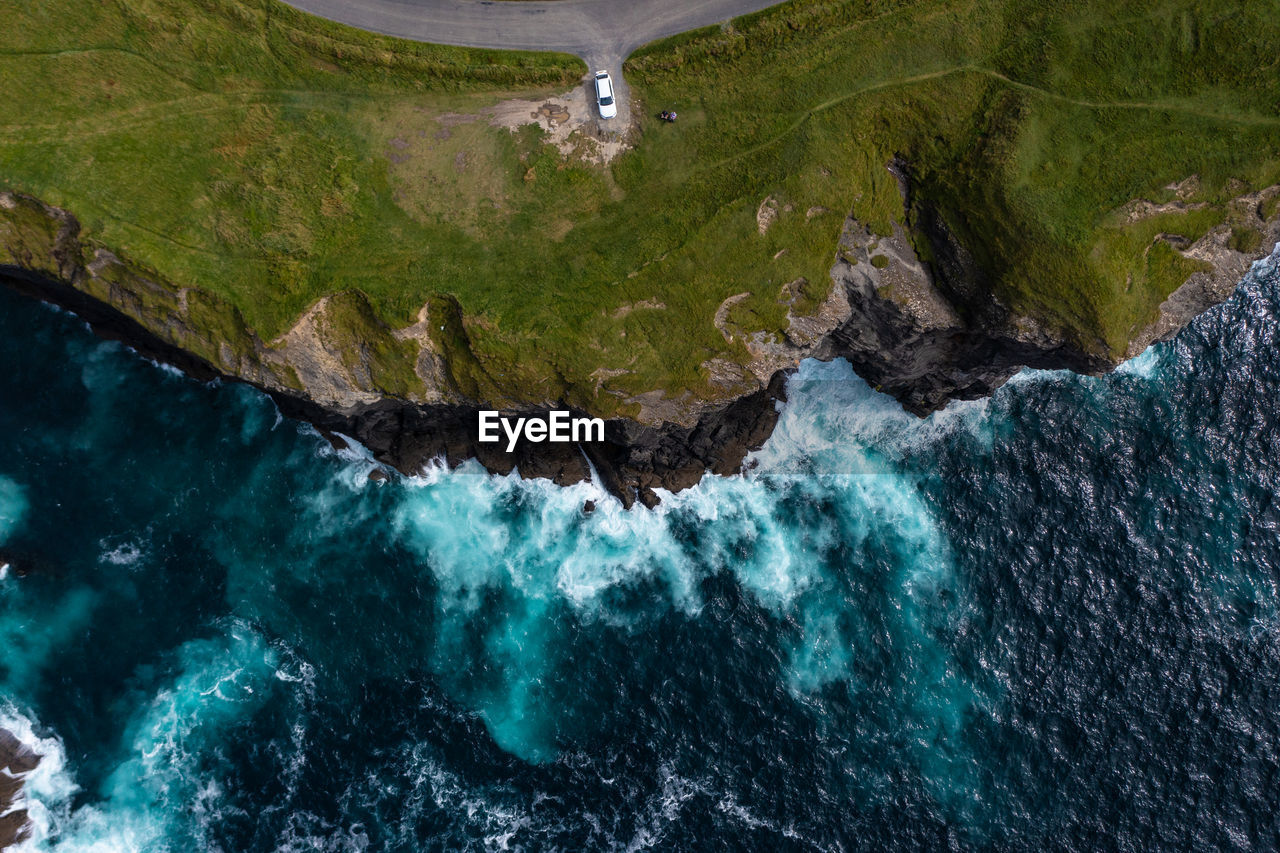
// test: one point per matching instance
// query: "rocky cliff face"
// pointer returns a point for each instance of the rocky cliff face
(931, 333)
(925, 333)
(395, 391)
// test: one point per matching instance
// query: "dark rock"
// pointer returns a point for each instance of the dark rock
(929, 333)
(23, 563)
(18, 760)
(15, 755)
(15, 828)
(588, 507)
(10, 788)
(922, 367)
(408, 436)
(377, 475)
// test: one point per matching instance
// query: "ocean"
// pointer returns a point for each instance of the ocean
(1047, 620)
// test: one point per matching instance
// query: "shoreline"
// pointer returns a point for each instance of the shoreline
(916, 331)
(16, 762)
(632, 461)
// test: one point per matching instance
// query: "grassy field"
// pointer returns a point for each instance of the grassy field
(271, 158)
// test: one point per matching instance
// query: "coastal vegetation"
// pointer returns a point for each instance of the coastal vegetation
(269, 159)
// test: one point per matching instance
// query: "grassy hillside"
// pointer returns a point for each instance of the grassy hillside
(1025, 123)
(272, 158)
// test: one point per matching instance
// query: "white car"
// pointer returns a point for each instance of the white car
(604, 95)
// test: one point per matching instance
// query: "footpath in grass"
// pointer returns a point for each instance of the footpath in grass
(272, 158)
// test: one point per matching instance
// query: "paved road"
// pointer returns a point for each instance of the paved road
(602, 32)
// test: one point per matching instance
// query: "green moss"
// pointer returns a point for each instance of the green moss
(287, 376)
(1244, 239)
(366, 343)
(879, 261)
(1271, 207)
(449, 337)
(28, 237)
(1123, 252)
(220, 323)
(1167, 269)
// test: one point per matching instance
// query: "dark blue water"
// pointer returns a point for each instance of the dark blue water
(1047, 620)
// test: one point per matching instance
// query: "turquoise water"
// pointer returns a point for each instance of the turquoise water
(1048, 618)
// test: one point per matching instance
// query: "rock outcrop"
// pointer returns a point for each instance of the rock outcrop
(931, 333)
(924, 332)
(16, 761)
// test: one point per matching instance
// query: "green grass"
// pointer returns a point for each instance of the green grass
(1025, 125)
(270, 158)
(1245, 239)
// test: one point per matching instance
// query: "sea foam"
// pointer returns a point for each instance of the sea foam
(13, 506)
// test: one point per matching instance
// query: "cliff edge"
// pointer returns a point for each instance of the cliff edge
(925, 331)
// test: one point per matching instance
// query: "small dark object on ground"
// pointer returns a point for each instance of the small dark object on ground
(668, 115)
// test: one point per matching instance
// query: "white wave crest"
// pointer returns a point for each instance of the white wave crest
(48, 789)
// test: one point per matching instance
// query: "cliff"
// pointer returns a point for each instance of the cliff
(929, 333)
(350, 378)
(924, 331)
